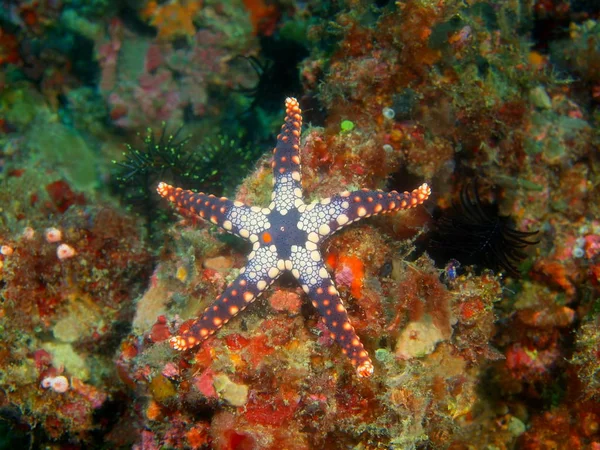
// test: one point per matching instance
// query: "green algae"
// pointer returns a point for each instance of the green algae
(62, 148)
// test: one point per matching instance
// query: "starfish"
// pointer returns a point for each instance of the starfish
(286, 236)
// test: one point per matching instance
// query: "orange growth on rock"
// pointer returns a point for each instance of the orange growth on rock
(470, 309)
(172, 19)
(197, 436)
(264, 16)
(349, 271)
(556, 273)
(153, 411)
(258, 349)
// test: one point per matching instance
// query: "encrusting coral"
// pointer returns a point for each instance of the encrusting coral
(495, 352)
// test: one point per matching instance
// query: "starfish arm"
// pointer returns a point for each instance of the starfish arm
(234, 217)
(321, 219)
(312, 275)
(287, 188)
(259, 273)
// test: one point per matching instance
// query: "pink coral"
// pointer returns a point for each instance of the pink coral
(58, 384)
(53, 235)
(65, 251)
(204, 383)
(592, 245)
(283, 300)
(530, 363)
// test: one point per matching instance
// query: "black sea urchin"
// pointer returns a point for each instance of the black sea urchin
(475, 233)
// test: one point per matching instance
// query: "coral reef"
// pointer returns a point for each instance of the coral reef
(468, 352)
(66, 298)
(150, 80)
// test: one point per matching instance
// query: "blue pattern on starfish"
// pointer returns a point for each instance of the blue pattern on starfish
(286, 236)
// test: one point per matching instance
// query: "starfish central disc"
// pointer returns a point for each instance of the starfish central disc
(284, 232)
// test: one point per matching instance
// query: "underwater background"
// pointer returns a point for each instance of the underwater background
(480, 308)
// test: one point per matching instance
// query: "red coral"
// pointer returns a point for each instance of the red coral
(160, 330)
(257, 349)
(62, 196)
(9, 48)
(575, 427)
(269, 410)
(529, 363)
